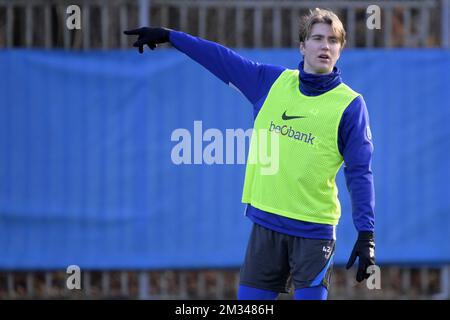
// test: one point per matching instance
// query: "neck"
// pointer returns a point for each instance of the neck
(317, 84)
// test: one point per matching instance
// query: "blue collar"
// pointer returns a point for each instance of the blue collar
(316, 84)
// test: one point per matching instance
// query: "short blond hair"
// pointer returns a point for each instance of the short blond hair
(321, 16)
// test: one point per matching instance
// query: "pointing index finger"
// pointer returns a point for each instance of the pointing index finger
(132, 31)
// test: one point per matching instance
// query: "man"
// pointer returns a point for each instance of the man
(295, 211)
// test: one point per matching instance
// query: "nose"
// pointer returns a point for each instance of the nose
(325, 45)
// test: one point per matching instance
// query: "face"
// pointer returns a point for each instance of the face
(321, 50)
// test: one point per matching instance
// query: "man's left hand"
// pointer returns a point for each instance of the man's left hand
(364, 249)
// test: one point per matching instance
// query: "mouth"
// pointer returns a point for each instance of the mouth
(324, 57)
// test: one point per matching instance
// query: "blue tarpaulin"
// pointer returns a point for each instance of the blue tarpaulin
(87, 178)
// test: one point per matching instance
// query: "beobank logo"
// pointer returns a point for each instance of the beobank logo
(286, 130)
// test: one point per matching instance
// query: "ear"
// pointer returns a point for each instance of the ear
(302, 48)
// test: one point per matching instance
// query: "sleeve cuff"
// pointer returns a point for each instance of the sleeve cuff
(366, 235)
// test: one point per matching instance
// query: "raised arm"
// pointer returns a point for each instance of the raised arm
(252, 79)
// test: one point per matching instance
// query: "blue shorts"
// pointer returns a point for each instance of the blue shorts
(275, 259)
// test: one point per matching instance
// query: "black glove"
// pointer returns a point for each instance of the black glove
(150, 36)
(364, 249)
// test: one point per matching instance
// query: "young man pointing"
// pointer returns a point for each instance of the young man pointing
(295, 211)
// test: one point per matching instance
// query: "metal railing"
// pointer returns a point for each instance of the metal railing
(235, 23)
(425, 282)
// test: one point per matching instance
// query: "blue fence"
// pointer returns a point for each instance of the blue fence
(86, 175)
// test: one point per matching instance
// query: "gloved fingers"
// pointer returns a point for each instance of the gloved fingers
(133, 31)
(139, 44)
(362, 271)
(360, 275)
(351, 260)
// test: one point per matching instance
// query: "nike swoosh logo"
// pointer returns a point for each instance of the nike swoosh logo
(285, 117)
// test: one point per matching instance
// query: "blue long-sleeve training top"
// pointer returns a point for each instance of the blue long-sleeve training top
(254, 81)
